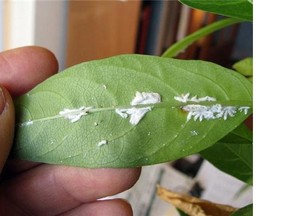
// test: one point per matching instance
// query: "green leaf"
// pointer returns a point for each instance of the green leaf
(182, 44)
(241, 9)
(101, 137)
(244, 67)
(245, 211)
(233, 154)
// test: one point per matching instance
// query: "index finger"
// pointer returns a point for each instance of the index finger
(23, 68)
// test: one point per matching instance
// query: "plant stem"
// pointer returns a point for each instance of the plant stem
(182, 44)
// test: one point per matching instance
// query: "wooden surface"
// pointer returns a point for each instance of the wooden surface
(99, 29)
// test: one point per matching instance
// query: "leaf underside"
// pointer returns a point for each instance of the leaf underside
(162, 135)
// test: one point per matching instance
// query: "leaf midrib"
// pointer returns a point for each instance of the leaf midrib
(170, 104)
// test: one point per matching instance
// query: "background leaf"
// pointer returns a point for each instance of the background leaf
(182, 44)
(233, 154)
(162, 135)
(244, 67)
(245, 211)
(241, 9)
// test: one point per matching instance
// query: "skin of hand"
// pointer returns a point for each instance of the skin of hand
(29, 188)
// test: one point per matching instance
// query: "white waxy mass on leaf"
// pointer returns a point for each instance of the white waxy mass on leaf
(201, 112)
(145, 98)
(75, 114)
(194, 133)
(102, 142)
(136, 114)
(244, 109)
(26, 123)
(228, 111)
(185, 98)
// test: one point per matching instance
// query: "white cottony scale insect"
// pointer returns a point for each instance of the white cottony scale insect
(146, 98)
(194, 133)
(136, 114)
(102, 142)
(122, 112)
(244, 109)
(75, 114)
(185, 98)
(182, 98)
(228, 111)
(201, 112)
(26, 123)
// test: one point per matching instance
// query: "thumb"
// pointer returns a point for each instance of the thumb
(6, 125)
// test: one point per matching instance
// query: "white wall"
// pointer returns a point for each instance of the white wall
(36, 22)
(19, 23)
(51, 27)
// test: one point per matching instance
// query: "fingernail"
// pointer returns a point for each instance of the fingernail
(2, 101)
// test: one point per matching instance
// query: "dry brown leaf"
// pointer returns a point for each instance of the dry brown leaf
(194, 206)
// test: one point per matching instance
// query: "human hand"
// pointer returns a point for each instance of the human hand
(40, 189)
